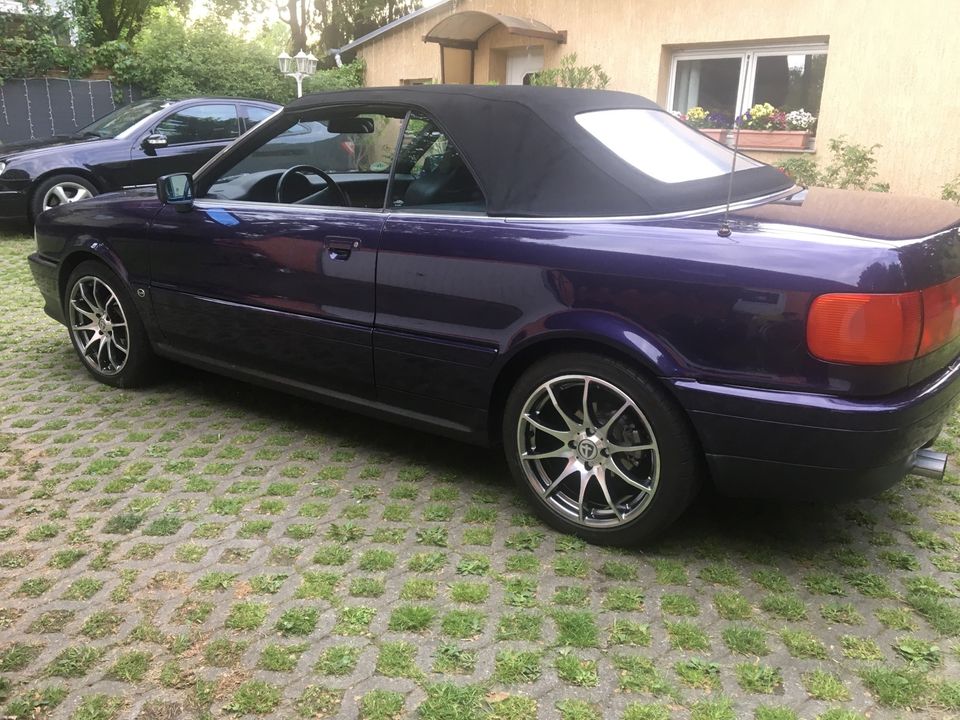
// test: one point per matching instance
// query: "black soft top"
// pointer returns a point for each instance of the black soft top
(532, 159)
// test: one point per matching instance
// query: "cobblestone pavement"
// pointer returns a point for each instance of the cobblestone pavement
(206, 549)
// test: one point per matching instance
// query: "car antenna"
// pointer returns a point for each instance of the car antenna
(724, 231)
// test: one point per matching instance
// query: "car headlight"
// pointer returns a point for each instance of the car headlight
(3, 166)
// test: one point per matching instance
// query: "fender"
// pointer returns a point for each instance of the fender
(610, 331)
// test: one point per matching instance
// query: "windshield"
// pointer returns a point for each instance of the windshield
(122, 118)
(661, 146)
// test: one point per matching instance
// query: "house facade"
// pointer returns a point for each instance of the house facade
(873, 71)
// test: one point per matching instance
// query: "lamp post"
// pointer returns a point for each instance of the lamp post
(298, 67)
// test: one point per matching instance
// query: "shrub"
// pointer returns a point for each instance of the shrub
(571, 75)
(951, 190)
(852, 166)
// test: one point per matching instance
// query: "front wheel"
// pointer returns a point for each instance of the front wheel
(60, 190)
(105, 328)
(599, 449)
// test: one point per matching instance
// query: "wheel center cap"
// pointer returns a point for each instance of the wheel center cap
(587, 450)
(102, 324)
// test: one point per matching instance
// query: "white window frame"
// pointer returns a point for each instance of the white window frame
(748, 55)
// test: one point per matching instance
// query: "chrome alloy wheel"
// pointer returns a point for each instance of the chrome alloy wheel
(64, 193)
(98, 325)
(588, 450)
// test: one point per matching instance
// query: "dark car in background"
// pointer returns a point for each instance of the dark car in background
(575, 275)
(130, 147)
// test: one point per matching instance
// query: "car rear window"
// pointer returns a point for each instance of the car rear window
(661, 146)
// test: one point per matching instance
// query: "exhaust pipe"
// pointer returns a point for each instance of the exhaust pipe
(929, 463)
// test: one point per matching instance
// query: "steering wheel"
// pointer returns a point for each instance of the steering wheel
(305, 169)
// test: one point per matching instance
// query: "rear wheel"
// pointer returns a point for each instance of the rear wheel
(105, 328)
(600, 450)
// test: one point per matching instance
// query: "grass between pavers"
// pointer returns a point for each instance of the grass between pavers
(247, 553)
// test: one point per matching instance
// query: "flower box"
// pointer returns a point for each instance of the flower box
(773, 139)
(718, 134)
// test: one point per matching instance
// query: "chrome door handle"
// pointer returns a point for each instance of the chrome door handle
(339, 248)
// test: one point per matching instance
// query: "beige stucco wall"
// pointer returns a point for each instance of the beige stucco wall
(893, 68)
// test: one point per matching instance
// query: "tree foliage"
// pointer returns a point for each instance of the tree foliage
(321, 25)
(100, 21)
(35, 43)
(171, 58)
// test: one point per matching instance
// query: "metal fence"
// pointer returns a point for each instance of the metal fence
(41, 107)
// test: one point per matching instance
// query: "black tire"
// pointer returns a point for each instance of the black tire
(672, 458)
(68, 182)
(115, 355)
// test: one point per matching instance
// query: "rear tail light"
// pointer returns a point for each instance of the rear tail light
(349, 147)
(883, 329)
(941, 316)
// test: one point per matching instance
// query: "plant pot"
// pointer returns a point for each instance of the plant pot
(773, 139)
(718, 134)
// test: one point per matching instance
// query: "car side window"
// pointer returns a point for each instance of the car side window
(200, 123)
(342, 159)
(431, 174)
(255, 115)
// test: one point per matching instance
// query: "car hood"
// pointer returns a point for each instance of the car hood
(862, 213)
(46, 146)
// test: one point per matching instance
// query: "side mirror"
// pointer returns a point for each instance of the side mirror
(154, 141)
(176, 190)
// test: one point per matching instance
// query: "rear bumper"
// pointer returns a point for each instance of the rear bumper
(765, 443)
(45, 274)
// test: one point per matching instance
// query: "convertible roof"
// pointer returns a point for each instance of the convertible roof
(533, 159)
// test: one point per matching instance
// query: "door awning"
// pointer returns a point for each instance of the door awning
(464, 29)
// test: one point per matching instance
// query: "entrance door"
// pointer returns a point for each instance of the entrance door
(521, 63)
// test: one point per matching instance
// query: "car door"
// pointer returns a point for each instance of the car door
(448, 299)
(193, 135)
(279, 288)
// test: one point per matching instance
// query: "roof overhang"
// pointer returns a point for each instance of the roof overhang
(464, 29)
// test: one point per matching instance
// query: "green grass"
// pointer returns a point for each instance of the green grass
(685, 635)
(381, 705)
(98, 707)
(803, 644)
(130, 666)
(824, 685)
(576, 628)
(746, 640)
(412, 618)
(520, 626)
(254, 697)
(74, 661)
(354, 620)
(281, 658)
(247, 615)
(757, 678)
(337, 660)
(18, 656)
(447, 701)
(451, 658)
(698, 673)
(398, 659)
(463, 624)
(298, 621)
(577, 671)
(517, 666)
(640, 674)
(896, 687)
(675, 604)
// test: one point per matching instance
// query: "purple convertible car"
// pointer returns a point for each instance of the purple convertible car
(573, 275)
